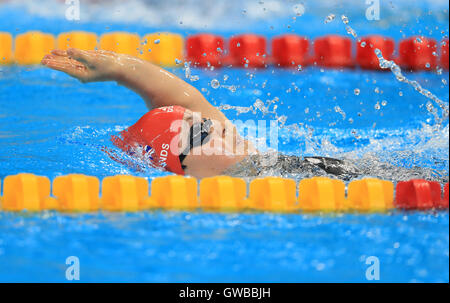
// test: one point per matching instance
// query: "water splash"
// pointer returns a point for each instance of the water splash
(349, 30)
(396, 70)
(188, 73)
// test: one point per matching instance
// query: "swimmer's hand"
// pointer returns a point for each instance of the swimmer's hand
(86, 66)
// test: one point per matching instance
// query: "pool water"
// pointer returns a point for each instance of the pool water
(52, 125)
(202, 247)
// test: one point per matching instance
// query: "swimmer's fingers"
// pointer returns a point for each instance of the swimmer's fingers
(91, 57)
(66, 65)
(59, 52)
(82, 56)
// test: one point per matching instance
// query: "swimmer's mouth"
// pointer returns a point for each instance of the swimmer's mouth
(198, 135)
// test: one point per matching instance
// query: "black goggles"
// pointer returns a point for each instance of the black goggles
(199, 134)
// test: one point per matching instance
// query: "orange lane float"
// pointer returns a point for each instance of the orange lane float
(6, 46)
(31, 47)
(333, 51)
(322, 194)
(125, 193)
(223, 193)
(370, 195)
(164, 49)
(77, 39)
(77, 192)
(273, 194)
(80, 193)
(121, 42)
(365, 51)
(290, 51)
(205, 50)
(174, 192)
(26, 192)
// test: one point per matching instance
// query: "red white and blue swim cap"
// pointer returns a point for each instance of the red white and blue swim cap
(157, 133)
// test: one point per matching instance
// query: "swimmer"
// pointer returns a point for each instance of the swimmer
(183, 132)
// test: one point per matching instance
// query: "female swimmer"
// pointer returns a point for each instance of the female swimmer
(182, 133)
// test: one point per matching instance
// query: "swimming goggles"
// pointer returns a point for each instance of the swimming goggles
(199, 134)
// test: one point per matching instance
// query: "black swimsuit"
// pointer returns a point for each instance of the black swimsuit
(285, 165)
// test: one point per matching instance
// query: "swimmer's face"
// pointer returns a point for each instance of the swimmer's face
(223, 148)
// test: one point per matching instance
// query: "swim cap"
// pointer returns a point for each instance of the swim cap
(154, 133)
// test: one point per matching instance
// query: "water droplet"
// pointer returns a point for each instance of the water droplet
(215, 83)
(157, 41)
(363, 44)
(344, 19)
(329, 18)
(298, 9)
(384, 102)
(356, 91)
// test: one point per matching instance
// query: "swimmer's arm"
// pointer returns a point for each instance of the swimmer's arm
(155, 85)
(159, 87)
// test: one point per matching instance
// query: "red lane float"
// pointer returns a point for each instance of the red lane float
(205, 50)
(290, 50)
(418, 194)
(444, 54)
(333, 51)
(418, 53)
(248, 51)
(365, 51)
(445, 200)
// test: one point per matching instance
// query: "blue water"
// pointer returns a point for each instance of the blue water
(51, 125)
(193, 247)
